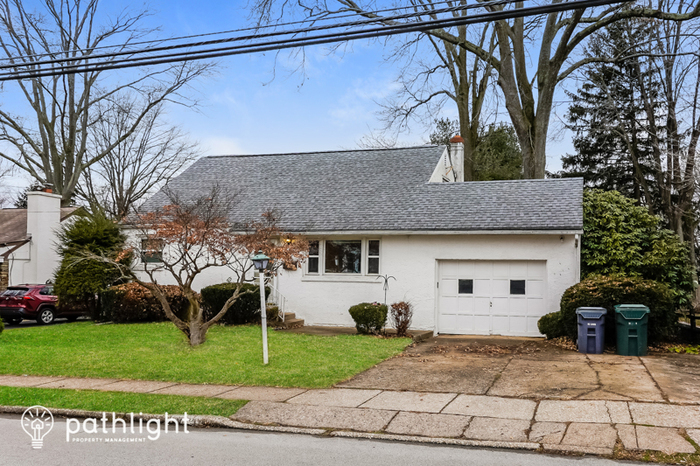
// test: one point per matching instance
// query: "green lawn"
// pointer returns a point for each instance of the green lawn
(231, 355)
(117, 402)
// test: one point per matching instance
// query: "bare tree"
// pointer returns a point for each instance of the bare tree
(51, 141)
(550, 41)
(147, 159)
(189, 236)
(4, 194)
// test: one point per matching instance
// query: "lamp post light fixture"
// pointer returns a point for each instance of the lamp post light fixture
(260, 262)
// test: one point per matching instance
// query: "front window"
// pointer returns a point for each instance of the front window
(152, 250)
(344, 256)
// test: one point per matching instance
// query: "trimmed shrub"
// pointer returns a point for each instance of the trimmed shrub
(131, 302)
(369, 317)
(401, 315)
(2, 325)
(245, 310)
(606, 292)
(551, 325)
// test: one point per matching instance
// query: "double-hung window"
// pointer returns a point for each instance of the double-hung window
(152, 250)
(343, 257)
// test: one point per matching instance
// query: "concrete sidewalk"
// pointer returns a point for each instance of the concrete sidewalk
(583, 426)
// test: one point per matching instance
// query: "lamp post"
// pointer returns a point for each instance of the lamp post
(260, 261)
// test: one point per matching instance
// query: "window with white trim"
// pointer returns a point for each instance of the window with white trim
(343, 257)
(314, 253)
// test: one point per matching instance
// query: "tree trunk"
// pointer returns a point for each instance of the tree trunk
(198, 333)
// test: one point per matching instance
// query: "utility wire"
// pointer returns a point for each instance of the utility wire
(363, 22)
(254, 28)
(313, 40)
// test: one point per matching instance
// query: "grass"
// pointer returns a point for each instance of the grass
(158, 351)
(117, 402)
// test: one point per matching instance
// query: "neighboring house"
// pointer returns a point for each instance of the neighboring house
(472, 257)
(28, 239)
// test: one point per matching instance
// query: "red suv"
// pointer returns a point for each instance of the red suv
(33, 302)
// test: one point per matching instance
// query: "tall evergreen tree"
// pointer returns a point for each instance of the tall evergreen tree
(613, 149)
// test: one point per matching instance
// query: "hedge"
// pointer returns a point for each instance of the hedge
(606, 292)
(369, 317)
(245, 310)
(131, 302)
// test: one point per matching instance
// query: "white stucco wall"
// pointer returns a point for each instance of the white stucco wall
(412, 259)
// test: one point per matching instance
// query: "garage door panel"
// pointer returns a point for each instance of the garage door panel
(501, 287)
(482, 287)
(465, 305)
(518, 326)
(482, 306)
(501, 270)
(490, 308)
(449, 268)
(482, 324)
(518, 269)
(499, 306)
(449, 287)
(466, 269)
(535, 288)
(535, 307)
(518, 307)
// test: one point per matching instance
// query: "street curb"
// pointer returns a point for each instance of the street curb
(438, 440)
(196, 420)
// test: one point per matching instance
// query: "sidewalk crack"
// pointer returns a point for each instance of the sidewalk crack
(498, 376)
(663, 394)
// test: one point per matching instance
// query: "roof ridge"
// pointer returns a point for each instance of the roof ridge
(426, 146)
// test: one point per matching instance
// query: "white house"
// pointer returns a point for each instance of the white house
(28, 239)
(472, 257)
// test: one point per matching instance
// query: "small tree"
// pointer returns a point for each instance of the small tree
(96, 234)
(189, 236)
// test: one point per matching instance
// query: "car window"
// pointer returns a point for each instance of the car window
(47, 291)
(15, 292)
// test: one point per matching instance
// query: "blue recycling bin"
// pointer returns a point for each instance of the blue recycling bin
(591, 329)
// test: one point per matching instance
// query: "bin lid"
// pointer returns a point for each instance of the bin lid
(591, 312)
(632, 311)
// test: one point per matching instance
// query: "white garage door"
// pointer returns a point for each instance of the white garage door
(491, 297)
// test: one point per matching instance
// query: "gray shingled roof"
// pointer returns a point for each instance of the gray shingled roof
(378, 190)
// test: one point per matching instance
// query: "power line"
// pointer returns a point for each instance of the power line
(255, 28)
(362, 22)
(400, 28)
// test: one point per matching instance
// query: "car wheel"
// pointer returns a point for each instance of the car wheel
(46, 316)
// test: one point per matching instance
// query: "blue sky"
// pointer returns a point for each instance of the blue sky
(245, 111)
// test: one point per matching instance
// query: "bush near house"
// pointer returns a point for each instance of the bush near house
(622, 238)
(245, 310)
(369, 317)
(79, 280)
(606, 292)
(2, 325)
(131, 302)
(401, 316)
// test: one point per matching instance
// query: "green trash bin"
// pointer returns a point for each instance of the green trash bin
(631, 323)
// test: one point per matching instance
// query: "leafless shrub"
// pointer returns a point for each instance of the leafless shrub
(401, 315)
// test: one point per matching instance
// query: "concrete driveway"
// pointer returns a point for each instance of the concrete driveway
(535, 369)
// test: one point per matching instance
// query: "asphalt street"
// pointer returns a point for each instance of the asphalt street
(229, 447)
